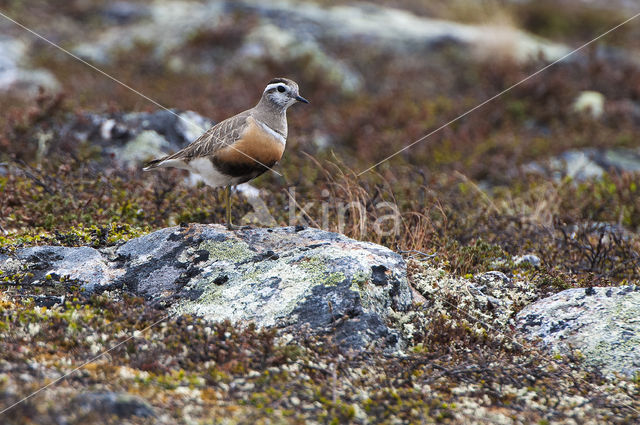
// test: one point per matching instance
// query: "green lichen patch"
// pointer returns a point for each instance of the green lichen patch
(230, 250)
(317, 271)
(360, 278)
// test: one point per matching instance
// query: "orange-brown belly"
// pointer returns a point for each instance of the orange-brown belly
(253, 154)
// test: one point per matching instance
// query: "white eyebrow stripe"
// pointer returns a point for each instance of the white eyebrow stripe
(274, 85)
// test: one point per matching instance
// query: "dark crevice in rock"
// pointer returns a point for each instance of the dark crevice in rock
(379, 275)
(185, 277)
(317, 245)
(221, 280)
(395, 295)
(268, 255)
(200, 256)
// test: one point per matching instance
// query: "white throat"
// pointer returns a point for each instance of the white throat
(282, 139)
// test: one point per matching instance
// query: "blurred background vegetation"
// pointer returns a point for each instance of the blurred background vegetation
(380, 75)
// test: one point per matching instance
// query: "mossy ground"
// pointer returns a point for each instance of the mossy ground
(457, 369)
(192, 371)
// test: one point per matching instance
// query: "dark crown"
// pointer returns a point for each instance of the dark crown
(279, 80)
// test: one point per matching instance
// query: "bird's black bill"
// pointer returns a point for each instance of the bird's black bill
(301, 99)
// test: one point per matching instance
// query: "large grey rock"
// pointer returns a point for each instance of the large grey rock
(16, 76)
(602, 323)
(287, 30)
(397, 29)
(290, 277)
(44, 264)
(172, 24)
(126, 140)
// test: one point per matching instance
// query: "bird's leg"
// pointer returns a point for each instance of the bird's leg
(227, 198)
(227, 195)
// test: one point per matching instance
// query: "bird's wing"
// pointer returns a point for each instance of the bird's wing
(223, 134)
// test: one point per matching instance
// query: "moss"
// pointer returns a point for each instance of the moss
(95, 236)
(478, 257)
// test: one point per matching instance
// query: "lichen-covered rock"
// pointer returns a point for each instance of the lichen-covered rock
(127, 140)
(398, 30)
(15, 76)
(280, 277)
(169, 25)
(42, 264)
(601, 323)
(287, 30)
(285, 277)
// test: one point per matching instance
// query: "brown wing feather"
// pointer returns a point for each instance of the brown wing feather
(217, 137)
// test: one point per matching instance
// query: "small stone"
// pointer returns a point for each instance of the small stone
(247, 387)
(590, 102)
(110, 403)
(123, 12)
(531, 259)
(493, 276)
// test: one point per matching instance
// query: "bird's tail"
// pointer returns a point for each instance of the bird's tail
(153, 164)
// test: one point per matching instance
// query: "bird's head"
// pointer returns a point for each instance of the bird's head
(282, 93)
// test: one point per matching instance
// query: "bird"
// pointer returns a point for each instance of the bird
(241, 147)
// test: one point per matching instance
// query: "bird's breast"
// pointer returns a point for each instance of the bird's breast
(254, 152)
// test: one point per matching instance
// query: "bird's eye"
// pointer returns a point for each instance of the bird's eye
(281, 89)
